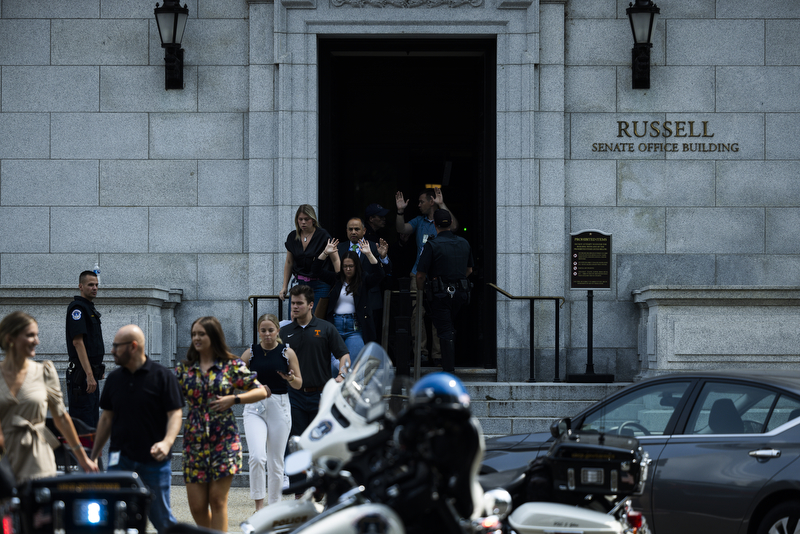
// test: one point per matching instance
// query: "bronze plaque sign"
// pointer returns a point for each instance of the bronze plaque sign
(590, 260)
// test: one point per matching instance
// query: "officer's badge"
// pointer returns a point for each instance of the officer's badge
(76, 315)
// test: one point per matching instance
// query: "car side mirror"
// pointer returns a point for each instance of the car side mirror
(560, 427)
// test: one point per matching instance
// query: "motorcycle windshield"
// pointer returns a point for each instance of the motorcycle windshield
(369, 379)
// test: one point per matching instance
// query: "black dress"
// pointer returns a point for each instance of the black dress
(303, 259)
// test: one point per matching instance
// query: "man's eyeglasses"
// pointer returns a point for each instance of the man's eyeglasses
(115, 346)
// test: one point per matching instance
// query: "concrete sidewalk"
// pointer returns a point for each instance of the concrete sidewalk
(240, 507)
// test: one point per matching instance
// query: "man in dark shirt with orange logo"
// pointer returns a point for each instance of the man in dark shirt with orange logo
(313, 340)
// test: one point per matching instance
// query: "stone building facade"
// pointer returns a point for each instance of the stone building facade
(195, 189)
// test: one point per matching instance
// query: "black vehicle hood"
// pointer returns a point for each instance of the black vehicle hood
(518, 442)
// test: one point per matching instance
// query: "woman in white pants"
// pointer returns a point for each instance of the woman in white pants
(267, 422)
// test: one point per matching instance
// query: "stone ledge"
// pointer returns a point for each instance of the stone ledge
(719, 295)
(692, 328)
(150, 307)
(109, 294)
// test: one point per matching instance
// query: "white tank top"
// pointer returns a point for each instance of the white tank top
(346, 303)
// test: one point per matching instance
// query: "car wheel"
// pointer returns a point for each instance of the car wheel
(783, 519)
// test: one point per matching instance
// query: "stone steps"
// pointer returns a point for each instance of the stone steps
(521, 407)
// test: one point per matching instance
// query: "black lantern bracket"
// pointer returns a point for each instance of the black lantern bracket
(641, 16)
(171, 21)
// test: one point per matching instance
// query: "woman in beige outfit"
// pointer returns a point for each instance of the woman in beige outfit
(27, 390)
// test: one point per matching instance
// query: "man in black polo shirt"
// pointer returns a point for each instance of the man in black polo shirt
(85, 350)
(313, 340)
(141, 405)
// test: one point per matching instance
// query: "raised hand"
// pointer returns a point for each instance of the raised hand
(383, 248)
(364, 245)
(400, 201)
(438, 199)
(331, 247)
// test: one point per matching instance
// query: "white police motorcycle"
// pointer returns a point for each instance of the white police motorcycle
(414, 468)
(377, 467)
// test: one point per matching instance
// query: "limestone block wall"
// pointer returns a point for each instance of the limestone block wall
(98, 163)
(682, 217)
(196, 189)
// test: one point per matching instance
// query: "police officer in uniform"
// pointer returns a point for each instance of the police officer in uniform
(85, 349)
(445, 262)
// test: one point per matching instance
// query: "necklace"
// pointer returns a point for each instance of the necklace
(305, 239)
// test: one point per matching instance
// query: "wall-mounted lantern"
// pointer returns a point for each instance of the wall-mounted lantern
(171, 21)
(641, 15)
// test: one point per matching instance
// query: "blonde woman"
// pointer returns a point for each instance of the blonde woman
(303, 245)
(27, 391)
(267, 422)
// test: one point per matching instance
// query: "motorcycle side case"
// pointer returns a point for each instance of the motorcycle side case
(552, 518)
(597, 463)
(85, 503)
(371, 517)
(283, 516)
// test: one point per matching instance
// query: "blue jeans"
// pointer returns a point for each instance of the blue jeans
(157, 476)
(321, 289)
(346, 325)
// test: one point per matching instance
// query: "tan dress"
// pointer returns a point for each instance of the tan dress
(29, 444)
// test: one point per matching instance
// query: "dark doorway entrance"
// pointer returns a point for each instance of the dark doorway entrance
(401, 115)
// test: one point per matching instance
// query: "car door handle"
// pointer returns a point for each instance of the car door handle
(765, 453)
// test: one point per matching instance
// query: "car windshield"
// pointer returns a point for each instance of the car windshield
(369, 379)
(641, 412)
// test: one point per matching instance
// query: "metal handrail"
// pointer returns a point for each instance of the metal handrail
(531, 300)
(387, 302)
(253, 300)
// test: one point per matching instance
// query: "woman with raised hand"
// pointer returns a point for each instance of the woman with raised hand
(303, 245)
(349, 307)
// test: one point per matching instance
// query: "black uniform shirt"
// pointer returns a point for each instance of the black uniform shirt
(83, 318)
(313, 346)
(140, 402)
(446, 257)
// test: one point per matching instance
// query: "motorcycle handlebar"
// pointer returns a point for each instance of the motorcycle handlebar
(299, 487)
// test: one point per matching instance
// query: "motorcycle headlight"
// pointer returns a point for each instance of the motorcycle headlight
(497, 503)
(89, 512)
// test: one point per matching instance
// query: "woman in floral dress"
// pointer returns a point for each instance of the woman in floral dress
(212, 451)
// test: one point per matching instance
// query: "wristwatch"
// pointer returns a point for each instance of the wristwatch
(236, 399)
(342, 375)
